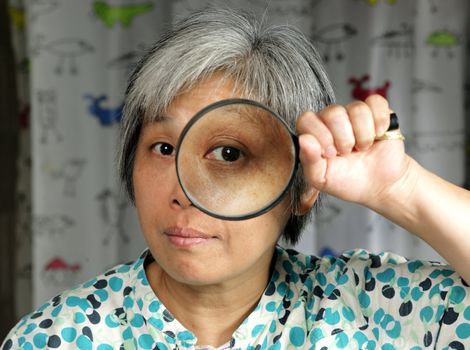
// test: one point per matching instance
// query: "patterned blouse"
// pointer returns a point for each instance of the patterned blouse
(356, 301)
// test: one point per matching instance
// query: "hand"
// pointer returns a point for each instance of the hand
(340, 157)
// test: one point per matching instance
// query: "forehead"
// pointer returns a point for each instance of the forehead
(195, 97)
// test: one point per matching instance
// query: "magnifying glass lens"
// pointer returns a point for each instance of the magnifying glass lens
(235, 160)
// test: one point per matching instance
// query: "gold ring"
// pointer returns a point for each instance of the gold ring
(391, 135)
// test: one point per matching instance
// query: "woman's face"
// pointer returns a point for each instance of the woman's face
(190, 246)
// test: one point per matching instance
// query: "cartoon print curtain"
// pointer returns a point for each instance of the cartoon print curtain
(73, 77)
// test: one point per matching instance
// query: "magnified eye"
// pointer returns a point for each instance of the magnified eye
(225, 153)
(164, 149)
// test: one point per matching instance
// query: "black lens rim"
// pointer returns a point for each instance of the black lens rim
(222, 103)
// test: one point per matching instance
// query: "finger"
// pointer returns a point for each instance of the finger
(310, 124)
(313, 164)
(337, 120)
(381, 112)
(362, 121)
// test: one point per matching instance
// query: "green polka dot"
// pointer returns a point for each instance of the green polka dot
(297, 336)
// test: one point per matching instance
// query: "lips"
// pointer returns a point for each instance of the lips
(186, 237)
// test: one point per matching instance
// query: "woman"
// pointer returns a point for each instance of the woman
(209, 283)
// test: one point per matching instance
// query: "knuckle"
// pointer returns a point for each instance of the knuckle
(364, 142)
(359, 110)
(377, 99)
(333, 112)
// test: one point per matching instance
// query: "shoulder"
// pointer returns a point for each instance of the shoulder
(75, 314)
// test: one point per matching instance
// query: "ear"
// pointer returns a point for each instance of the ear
(307, 200)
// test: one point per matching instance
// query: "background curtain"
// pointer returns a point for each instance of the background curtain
(73, 76)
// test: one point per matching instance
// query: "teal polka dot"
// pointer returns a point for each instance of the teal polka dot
(40, 340)
(157, 323)
(78, 318)
(89, 283)
(426, 314)
(297, 336)
(364, 299)
(316, 335)
(403, 282)
(102, 295)
(416, 293)
(28, 346)
(457, 295)
(127, 334)
(321, 279)
(282, 288)
(342, 279)
(76, 301)
(272, 327)
(56, 311)
(128, 302)
(161, 346)
(84, 343)
(287, 265)
(387, 346)
(271, 306)
(414, 265)
(341, 340)
(331, 317)
(115, 284)
(104, 347)
(137, 321)
(154, 306)
(378, 315)
(360, 338)
(21, 340)
(145, 341)
(185, 335)
(31, 327)
(111, 321)
(386, 276)
(329, 289)
(123, 268)
(43, 307)
(466, 313)
(348, 313)
(463, 330)
(257, 330)
(69, 334)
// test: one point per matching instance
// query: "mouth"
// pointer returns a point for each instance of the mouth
(186, 237)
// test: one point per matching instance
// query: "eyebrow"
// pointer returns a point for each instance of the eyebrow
(158, 118)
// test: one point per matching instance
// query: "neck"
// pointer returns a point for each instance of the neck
(211, 312)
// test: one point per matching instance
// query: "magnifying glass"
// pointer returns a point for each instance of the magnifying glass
(236, 159)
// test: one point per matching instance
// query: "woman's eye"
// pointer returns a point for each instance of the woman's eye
(225, 153)
(164, 149)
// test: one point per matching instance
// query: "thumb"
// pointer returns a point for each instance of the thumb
(313, 164)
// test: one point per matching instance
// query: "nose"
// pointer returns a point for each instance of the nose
(178, 197)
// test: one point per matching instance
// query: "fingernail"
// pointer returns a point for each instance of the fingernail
(330, 152)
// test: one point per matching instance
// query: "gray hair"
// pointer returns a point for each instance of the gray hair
(275, 65)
